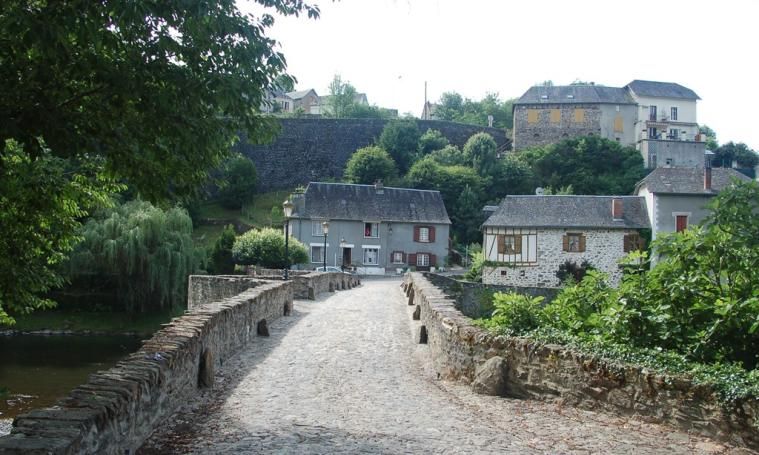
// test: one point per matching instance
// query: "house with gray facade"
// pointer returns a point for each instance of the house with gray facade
(373, 229)
(527, 238)
(676, 197)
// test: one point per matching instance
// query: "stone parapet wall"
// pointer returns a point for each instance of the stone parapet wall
(203, 289)
(312, 284)
(550, 372)
(310, 150)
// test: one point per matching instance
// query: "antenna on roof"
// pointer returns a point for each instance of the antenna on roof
(539, 191)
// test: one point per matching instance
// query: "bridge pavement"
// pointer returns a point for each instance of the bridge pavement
(342, 375)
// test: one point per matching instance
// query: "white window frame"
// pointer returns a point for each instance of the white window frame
(316, 228)
(371, 230)
(400, 254)
(422, 259)
(424, 234)
(319, 260)
(366, 250)
(673, 113)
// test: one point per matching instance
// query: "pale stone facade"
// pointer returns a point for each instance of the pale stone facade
(603, 250)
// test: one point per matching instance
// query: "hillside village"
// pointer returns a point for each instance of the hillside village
(202, 253)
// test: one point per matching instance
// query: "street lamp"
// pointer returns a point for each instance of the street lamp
(287, 208)
(325, 229)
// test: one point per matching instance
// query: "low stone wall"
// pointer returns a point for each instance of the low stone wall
(475, 299)
(310, 285)
(202, 289)
(117, 409)
(524, 369)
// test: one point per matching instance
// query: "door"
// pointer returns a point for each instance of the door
(347, 259)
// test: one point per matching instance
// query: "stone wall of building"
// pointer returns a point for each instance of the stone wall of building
(556, 373)
(603, 250)
(546, 130)
(309, 149)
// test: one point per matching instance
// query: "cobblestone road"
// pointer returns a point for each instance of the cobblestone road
(342, 375)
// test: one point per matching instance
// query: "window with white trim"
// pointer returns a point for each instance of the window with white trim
(673, 113)
(424, 234)
(371, 230)
(397, 257)
(316, 229)
(317, 254)
(422, 260)
(371, 256)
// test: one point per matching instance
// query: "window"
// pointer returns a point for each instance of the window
(424, 234)
(532, 116)
(555, 116)
(652, 113)
(574, 243)
(422, 260)
(316, 229)
(673, 113)
(633, 242)
(371, 256)
(619, 126)
(681, 222)
(509, 244)
(371, 230)
(317, 254)
(579, 115)
(653, 134)
(398, 257)
(674, 134)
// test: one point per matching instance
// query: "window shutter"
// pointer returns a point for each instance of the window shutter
(416, 233)
(501, 244)
(517, 244)
(432, 233)
(641, 243)
(411, 259)
(627, 243)
(433, 260)
(565, 242)
(582, 243)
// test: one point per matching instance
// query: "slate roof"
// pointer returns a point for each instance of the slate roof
(574, 94)
(299, 93)
(342, 201)
(569, 212)
(662, 90)
(683, 180)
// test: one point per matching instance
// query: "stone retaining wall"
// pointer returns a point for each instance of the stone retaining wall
(460, 351)
(117, 409)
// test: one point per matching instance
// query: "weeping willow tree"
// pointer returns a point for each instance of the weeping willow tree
(145, 252)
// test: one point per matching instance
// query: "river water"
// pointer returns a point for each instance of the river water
(37, 370)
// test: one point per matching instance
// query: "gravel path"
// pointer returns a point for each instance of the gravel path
(342, 375)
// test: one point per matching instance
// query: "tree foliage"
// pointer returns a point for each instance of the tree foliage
(590, 164)
(42, 200)
(145, 252)
(369, 164)
(401, 139)
(711, 137)
(511, 175)
(740, 154)
(453, 107)
(152, 94)
(221, 260)
(266, 248)
(480, 150)
(239, 181)
(450, 155)
(342, 97)
(430, 141)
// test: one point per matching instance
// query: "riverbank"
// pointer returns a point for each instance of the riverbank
(61, 322)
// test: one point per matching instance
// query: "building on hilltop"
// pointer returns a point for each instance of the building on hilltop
(658, 118)
(372, 228)
(676, 197)
(304, 100)
(528, 238)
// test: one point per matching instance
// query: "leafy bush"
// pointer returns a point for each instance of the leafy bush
(516, 314)
(221, 261)
(430, 141)
(475, 272)
(369, 164)
(266, 248)
(239, 180)
(570, 270)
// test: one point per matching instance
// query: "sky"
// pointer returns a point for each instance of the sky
(389, 48)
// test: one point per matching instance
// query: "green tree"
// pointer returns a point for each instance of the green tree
(222, 262)
(144, 252)
(590, 164)
(342, 97)
(42, 200)
(369, 164)
(401, 139)
(266, 248)
(284, 82)
(450, 155)
(430, 141)
(152, 93)
(453, 107)
(511, 176)
(711, 137)
(740, 153)
(239, 181)
(480, 150)
(466, 217)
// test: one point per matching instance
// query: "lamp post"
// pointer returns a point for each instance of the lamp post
(325, 229)
(287, 208)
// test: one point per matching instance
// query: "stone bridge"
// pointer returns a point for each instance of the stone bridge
(353, 371)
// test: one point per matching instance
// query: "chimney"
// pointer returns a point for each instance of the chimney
(379, 188)
(616, 208)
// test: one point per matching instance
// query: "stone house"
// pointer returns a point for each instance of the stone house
(372, 228)
(548, 114)
(276, 101)
(303, 99)
(676, 197)
(528, 238)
